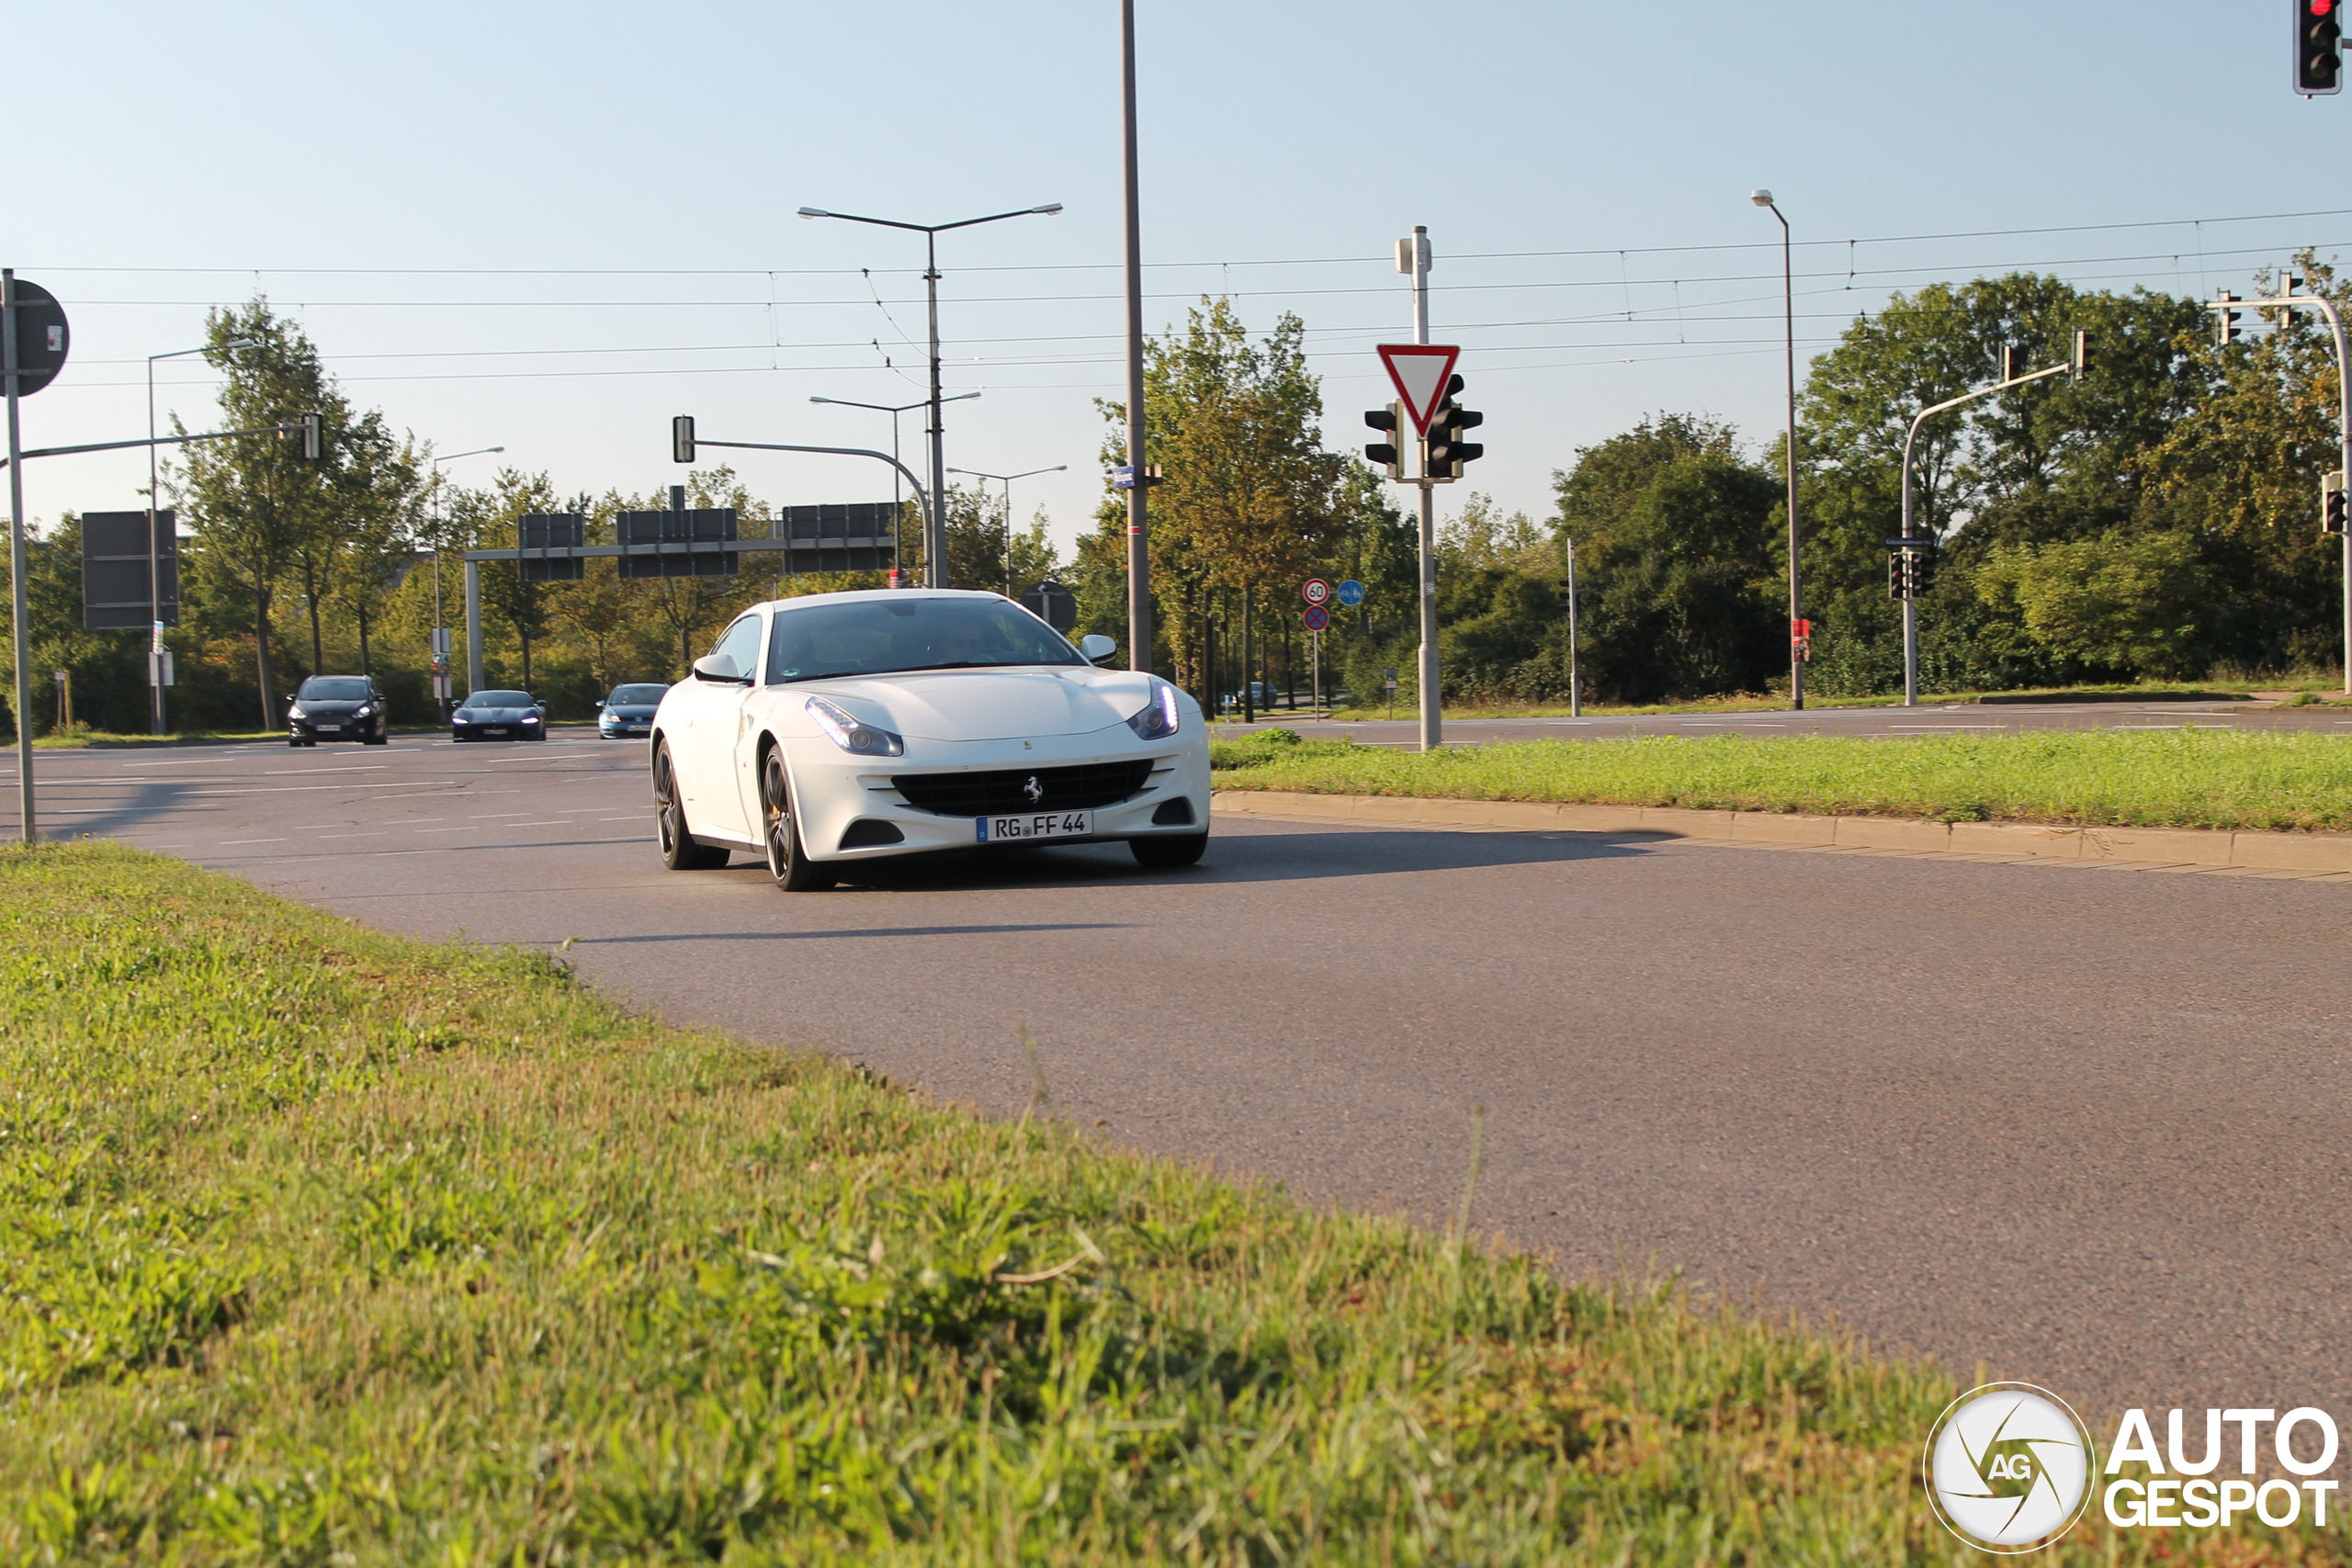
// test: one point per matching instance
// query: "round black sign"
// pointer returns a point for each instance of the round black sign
(43, 337)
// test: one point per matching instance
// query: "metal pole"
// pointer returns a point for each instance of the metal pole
(1575, 680)
(1910, 605)
(935, 566)
(1140, 636)
(1433, 715)
(1248, 682)
(154, 569)
(2344, 455)
(22, 700)
(474, 680)
(1788, 324)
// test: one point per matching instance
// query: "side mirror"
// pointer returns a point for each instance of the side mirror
(717, 667)
(600, 702)
(1096, 647)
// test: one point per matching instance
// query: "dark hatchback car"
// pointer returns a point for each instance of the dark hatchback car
(500, 716)
(628, 711)
(337, 707)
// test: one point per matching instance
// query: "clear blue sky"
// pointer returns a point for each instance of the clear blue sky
(553, 226)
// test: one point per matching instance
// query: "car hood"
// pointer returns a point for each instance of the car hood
(993, 704)
(499, 715)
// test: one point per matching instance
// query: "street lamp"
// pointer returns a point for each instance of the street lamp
(935, 556)
(897, 532)
(155, 566)
(1797, 650)
(1006, 480)
(440, 632)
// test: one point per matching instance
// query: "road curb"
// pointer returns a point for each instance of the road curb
(2312, 853)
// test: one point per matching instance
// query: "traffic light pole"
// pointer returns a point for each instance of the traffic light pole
(1910, 604)
(19, 698)
(2325, 306)
(1139, 643)
(1427, 679)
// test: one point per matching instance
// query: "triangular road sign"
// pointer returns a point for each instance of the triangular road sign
(1420, 371)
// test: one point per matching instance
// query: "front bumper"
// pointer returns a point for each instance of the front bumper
(834, 790)
(331, 728)
(495, 731)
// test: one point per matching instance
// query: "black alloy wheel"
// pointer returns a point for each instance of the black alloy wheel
(679, 851)
(1166, 854)
(788, 862)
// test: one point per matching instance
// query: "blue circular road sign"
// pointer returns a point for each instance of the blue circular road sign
(1351, 593)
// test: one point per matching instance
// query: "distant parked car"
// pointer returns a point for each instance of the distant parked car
(500, 716)
(339, 707)
(629, 710)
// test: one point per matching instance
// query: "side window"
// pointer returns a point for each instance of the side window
(742, 644)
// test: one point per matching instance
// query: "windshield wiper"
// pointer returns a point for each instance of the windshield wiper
(963, 664)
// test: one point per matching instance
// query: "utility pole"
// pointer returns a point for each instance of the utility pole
(1416, 261)
(1139, 474)
(1575, 682)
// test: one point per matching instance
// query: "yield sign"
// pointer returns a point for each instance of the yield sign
(1420, 371)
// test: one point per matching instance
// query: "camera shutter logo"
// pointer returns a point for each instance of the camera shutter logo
(2008, 1467)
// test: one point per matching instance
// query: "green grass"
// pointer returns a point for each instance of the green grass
(2176, 778)
(326, 1246)
(1752, 702)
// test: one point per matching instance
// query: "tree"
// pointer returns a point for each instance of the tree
(491, 517)
(2124, 601)
(1250, 497)
(262, 512)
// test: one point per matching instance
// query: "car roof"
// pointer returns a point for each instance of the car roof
(853, 595)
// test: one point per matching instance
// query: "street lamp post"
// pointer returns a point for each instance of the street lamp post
(441, 632)
(897, 532)
(935, 554)
(154, 565)
(1789, 325)
(1006, 480)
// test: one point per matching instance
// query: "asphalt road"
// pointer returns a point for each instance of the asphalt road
(1960, 719)
(2087, 1127)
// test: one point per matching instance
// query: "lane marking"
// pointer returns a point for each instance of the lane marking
(378, 834)
(226, 843)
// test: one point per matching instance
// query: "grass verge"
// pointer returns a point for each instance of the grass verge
(322, 1245)
(2172, 778)
(1766, 702)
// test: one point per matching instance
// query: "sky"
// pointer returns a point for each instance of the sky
(552, 227)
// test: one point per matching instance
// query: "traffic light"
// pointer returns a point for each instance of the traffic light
(2331, 503)
(2319, 60)
(1897, 577)
(682, 439)
(313, 437)
(1923, 571)
(2014, 364)
(2082, 351)
(1384, 453)
(1443, 452)
(2226, 320)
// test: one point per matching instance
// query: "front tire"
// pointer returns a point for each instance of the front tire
(679, 851)
(788, 861)
(1166, 854)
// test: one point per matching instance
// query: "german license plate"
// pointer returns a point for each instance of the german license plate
(495, 729)
(1037, 825)
(322, 728)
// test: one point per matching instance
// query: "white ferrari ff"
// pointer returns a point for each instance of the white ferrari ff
(839, 728)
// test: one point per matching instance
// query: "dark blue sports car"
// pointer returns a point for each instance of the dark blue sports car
(628, 711)
(500, 716)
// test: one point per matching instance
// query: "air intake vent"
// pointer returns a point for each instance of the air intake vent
(1010, 791)
(866, 833)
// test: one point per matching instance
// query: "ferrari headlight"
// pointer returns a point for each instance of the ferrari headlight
(530, 719)
(1158, 719)
(851, 733)
(459, 718)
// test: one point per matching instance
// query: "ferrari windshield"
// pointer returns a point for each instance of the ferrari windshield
(874, 636)
(332, 689)
(501, 700)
